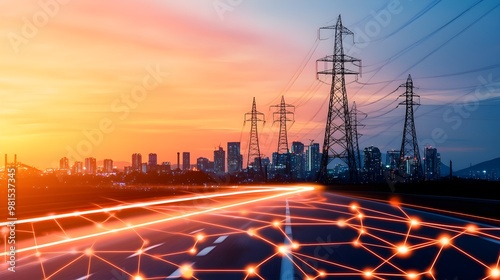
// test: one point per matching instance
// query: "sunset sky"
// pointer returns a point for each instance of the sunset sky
(71, 68)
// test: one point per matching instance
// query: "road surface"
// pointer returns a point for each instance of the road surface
(306, 235)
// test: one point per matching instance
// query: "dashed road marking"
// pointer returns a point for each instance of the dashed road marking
(220, 239)
(205, 251)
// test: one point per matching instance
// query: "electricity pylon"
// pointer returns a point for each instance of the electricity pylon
(281, 115)
(355, 124)
(410, 163)
(338, 141)
(254, 161)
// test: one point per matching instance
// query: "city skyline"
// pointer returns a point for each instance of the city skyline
(60, 93)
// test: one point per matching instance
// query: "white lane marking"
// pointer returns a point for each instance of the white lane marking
(205, 251)
(85, 277)
(220, 239)
(198, 230)
(286, 261)
(144, 250)
(177, 273)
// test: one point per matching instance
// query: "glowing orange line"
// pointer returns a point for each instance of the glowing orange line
(306, 263)
(326, 244)
(395, 233)
(328, 262)
(384, 262)
(113, 265)
(436, 258)
(470, 256)
(165, 261)
(166, 201)
(407, 234)
(297, 190)
(61, 228)
(286, 235)
(374, 236)
(65, 266)
(88, 266)
(380, 257)
(295, 264)
(429, 208)
(40, 259)
(268, 258)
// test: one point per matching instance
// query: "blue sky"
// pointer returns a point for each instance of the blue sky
(219, 54)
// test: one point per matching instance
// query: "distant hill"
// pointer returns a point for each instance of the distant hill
(488, 166)
(445, 170)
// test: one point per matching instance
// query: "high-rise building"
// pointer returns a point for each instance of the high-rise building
(166, 167)
(219, 161)
(204, 164)
(90, 165)
(373, 163)
(152, 159)
(144, 167)
(108, 166)
(234, 157)
(432, 164)
(313, 160)
(136, 162)
(392, 159)
(186, 161)
(297, 160)
(77, 167)
(64, 163)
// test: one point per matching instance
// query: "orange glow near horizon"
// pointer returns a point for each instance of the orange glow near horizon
(83, 67)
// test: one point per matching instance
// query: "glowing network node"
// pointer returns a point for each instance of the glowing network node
(495, 272)
(200, 237)
(251, 270)
(186, 271)
(283, 249)
(89, 251)
(472, 228)
(411, 275)
(341, 223)
(403, 249)
(444, 240)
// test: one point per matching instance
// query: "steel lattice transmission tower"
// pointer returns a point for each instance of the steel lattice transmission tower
(283, 113)
(355, 124)
(254, 161)
(339, 136)
(410, 163)
(283, 110)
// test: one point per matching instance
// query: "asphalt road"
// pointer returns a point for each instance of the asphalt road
(316, 235)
